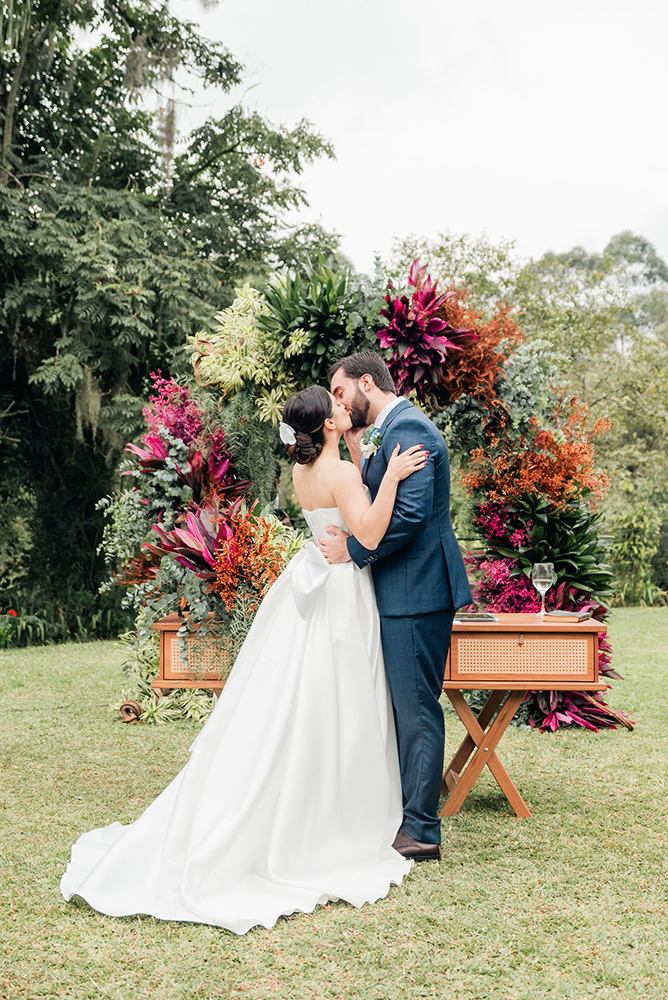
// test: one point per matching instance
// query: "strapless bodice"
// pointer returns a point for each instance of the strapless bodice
(321, 518)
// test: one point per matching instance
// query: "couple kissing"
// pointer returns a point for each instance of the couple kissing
(317, 776)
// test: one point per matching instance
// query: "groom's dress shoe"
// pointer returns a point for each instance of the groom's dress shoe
(410, 848)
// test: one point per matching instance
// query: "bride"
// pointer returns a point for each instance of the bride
(291, 796)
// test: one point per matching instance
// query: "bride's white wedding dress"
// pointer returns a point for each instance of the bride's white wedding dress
(292, 795)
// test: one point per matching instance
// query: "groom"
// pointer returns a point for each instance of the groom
(419, 578)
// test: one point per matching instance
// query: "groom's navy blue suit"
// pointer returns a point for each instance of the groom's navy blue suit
(420, 580)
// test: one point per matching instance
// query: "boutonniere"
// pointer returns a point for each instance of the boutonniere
(371, 442)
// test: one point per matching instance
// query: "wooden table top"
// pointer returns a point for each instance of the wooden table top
(517, 622)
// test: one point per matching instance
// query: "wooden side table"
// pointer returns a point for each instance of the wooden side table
(509, 658)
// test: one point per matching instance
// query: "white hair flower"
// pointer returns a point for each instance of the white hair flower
(286, 433)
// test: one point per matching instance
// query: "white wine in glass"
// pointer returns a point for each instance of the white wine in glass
(542, 577)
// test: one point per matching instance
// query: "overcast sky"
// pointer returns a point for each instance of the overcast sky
(540, 121)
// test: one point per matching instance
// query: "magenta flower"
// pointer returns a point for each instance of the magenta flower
(173, 410)
(519, 538)
(196, 546)
(492, 519)
(416, 338)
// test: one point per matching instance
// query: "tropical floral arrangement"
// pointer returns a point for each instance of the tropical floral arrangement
(182, 461)
(418, 336)
(190, 538)
(534, 490)
(285, 339)
(215, 573)
(188, 525)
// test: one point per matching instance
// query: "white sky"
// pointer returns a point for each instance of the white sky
(538, 120)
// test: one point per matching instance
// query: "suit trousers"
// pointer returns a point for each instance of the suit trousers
(415, 649)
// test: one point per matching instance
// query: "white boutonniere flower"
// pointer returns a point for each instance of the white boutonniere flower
(371, 442)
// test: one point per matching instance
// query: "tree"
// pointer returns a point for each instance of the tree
(115, 248)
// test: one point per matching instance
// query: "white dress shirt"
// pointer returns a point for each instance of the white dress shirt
(382, 416)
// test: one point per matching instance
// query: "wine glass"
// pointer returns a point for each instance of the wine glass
(542, 577)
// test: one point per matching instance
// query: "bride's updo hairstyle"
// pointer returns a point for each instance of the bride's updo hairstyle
(305, 413)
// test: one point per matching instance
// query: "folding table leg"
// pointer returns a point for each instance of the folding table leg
(467, 746)
(486, 743)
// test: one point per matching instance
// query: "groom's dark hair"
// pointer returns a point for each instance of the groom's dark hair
(365, 363)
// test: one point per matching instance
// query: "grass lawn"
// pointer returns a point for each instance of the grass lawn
(570, 903)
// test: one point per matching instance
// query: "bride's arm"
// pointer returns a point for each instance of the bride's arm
(369, 522)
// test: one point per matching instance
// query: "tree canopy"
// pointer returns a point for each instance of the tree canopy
(118, 243)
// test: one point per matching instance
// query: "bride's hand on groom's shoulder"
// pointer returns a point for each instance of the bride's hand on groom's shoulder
(333, 545)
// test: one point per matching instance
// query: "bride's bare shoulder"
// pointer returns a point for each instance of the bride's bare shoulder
(344, 475)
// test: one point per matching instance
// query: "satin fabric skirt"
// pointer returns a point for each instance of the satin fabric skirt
(291, 796)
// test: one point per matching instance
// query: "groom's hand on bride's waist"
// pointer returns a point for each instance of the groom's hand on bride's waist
(333, 545)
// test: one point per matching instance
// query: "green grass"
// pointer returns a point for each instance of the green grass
(571, 903)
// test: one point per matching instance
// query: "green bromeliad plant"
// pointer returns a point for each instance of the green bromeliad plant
(531, 531)
(320, 318)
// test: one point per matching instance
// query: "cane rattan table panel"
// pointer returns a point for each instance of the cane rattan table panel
(202, 662)
(207, 665)
(517, 656)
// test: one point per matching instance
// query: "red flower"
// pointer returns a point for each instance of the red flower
(12, 612)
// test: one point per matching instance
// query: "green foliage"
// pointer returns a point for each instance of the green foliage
(92, 126)
(229, 194)
(530, 374)
(141, 664)
(114, 252)
(29, 630)
(282, 340)
(637, 535)
(254, 441)
(172, 586)
(42, 619)
(316, 320)
(238, 353)
(93, 295)
(569, 538)
(128, 525)
(523, 392)
(16, 545)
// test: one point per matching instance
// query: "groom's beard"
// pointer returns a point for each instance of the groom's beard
(359, 410)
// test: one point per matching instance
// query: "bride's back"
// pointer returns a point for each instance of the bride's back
(313, 482)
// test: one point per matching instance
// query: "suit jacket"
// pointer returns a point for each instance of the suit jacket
(418, 567)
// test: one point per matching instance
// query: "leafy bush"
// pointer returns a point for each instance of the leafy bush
(76, 615)
(318, 319)
(637, 536)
